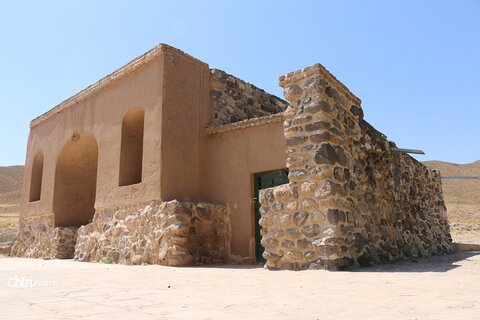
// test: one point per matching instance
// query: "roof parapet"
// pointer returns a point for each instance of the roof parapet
(113, 77)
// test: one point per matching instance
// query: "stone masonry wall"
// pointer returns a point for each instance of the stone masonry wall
(352, 200)
(235, 100)
(170, 233)
(39, 239)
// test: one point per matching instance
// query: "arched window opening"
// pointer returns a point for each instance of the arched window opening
(131, 152)
(36, 178)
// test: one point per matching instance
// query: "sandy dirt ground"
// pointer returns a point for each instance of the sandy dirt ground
(467, 238)
(446, 287)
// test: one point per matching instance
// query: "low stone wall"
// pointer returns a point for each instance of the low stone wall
(64, 241)
(34, 239)
(170, 233)
(352, 200)
(5, 249)
(7, 236)
(37, 238)
(235, 100)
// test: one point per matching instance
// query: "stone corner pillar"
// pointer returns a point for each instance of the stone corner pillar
(306, 223)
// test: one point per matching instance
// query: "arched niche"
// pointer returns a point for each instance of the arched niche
(36, 178)
(76, 182)
(131, 151)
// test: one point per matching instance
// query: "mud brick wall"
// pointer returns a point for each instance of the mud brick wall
(169, 233)
(235, 100)
(352, 199)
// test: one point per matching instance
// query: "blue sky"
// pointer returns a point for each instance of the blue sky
(414, 64)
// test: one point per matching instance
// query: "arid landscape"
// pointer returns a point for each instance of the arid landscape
(462, 197)
(10, 193)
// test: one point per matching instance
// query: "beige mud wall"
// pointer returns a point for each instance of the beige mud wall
(186, 111)
(100, 115)
(97, 111)
(233, 157)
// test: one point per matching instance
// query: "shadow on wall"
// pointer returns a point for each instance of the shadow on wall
(431, 264)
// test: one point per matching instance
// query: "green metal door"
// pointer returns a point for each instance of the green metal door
(264, 180)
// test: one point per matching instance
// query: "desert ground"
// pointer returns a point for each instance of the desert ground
(462, 197)
(445, 287)
(10, 192)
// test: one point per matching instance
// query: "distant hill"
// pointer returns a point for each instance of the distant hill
(11, 184)
(459, 191)
(10, 193)
(453, 169)
(461, 196)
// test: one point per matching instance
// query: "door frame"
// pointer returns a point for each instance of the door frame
(256, 228)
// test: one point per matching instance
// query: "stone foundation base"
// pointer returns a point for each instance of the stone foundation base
(44, 241)
(5, 249)
(170, 233)
(323, 239)
(64, 241)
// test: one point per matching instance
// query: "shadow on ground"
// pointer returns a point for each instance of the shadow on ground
(417, 265)
(431, 264)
